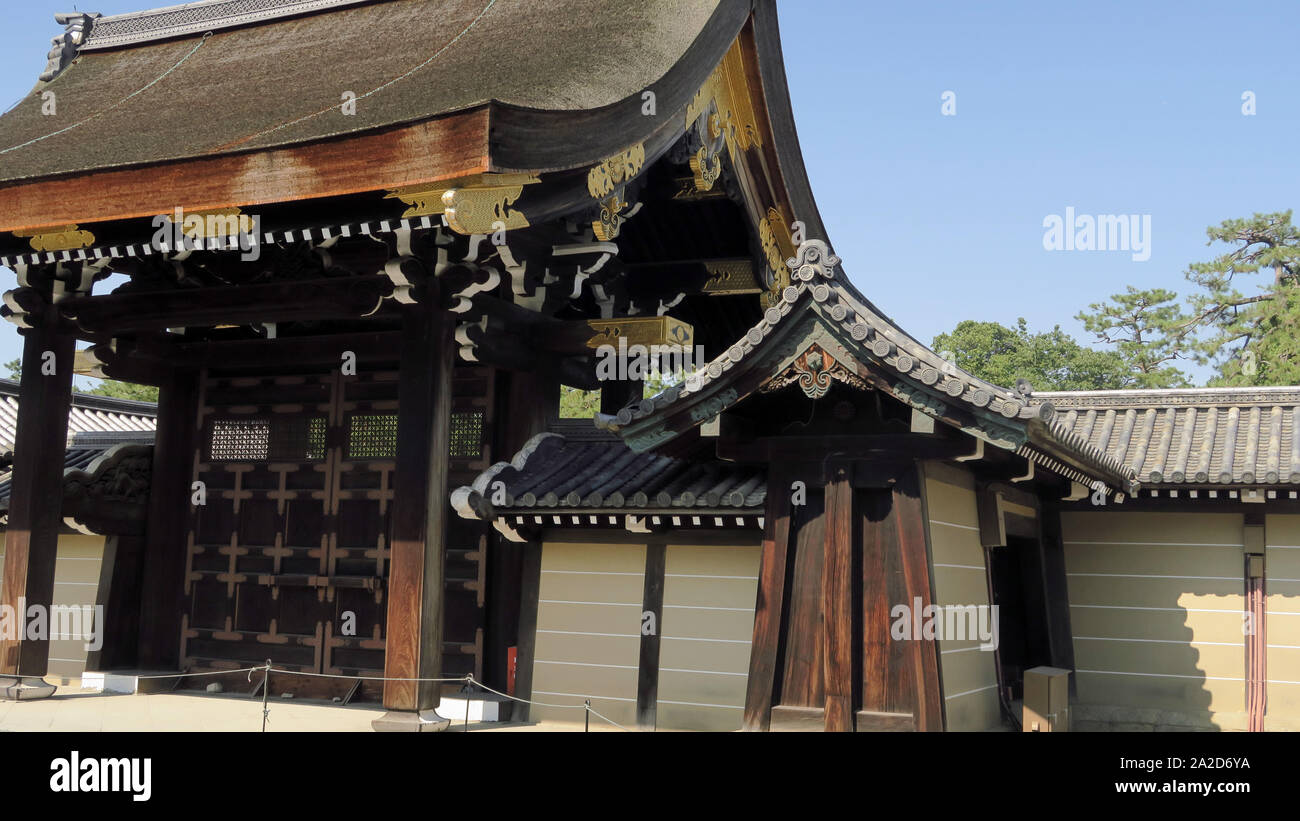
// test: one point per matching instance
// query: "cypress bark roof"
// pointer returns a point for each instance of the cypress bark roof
(179, 83)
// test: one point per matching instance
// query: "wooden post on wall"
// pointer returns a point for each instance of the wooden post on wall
(764, 656)
(1059, 635)
(413, 645)
(35, 514)
(837, 598)
(909, 518)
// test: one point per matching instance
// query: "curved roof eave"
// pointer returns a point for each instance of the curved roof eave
(916, 376)
(548, 112)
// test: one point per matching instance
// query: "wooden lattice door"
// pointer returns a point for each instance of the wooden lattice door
(287, 557)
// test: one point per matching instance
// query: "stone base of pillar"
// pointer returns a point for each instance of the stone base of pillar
(402, 721)
(24, 688)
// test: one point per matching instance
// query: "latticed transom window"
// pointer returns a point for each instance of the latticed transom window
(277, 439)
(466, 434)
(372, 436)
(240, 440)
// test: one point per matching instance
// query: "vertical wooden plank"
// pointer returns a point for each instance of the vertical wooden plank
(909, 516)
(837, 600)
(887, 675)
(647, 686)
(35, 512)
(764, 651)
(1059, 636)
(530, 587)
(119, 594)
(413, 645)
(162, 586)
(1255, 539)
(804, 676)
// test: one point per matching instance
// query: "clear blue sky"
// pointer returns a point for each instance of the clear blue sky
(1108, 107)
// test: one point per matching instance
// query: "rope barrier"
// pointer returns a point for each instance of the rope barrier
(102, 112)
(586, 706)
(467, 679)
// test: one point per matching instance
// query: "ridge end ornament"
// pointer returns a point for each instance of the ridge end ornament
(813, 259)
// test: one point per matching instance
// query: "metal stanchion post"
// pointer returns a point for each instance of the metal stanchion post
(266, 693)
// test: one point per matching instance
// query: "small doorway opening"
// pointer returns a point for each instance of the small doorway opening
(1018, 592)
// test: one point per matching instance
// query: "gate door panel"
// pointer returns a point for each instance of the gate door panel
(288, 555)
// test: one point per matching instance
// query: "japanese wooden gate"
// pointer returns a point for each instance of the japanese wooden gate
(288, 555)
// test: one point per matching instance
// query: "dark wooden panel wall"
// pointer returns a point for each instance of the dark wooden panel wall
(832, 570)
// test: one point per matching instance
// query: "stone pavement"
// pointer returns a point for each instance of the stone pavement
(71, 710)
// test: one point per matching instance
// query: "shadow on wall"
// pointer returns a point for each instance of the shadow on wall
(1156, 610)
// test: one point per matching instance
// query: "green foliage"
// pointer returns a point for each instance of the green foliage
(1251, 338)
(1051, 361)
(576, 403)
(106, 387)
(1148, 331)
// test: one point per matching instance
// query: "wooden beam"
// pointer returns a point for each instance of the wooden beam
(317, 299)
(911, 446)
(413, 646)
(837, 599)
(441, 149)
(31, 540)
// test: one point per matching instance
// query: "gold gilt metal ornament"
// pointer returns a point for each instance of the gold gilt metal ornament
(57, 238)
(649, 330)
(614, 171)
(728, 90)
(214, 222)
(478, 204)
(731, 276)
(606, 226)
(778, 246)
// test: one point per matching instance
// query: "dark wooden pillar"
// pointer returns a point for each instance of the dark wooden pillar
(35, 504)
(162, 590)
(837, 598)
(527, 403)
(764, 654)
(418, 523)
